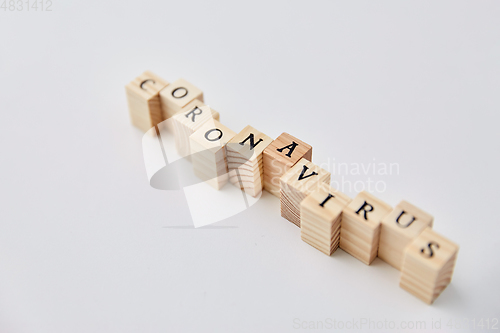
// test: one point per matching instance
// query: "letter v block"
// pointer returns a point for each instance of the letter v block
(360, 230)
(428, 265)
(244, 160)
(279, 157)
(320, 218)
(398, 229)
(296, 184)
(186, 122)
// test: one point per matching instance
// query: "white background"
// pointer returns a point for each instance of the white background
(84, 240)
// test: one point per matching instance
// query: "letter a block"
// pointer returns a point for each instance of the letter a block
(186, 122)
(360, 230)
(398, 229)
(320, 218)
(177, 95)
(144, 100)
(428, 265)
(296, 184)
(244, 160)
(208, 153)
(279, 157)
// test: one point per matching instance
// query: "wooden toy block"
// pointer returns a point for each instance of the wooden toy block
(244, 160)
(297, 183)
(360, 229)
(279, 157)
(186, 122)
(398, 229)
(321, 216)
(208, 153)
(177, 95)
(144, 100)
(428, 265)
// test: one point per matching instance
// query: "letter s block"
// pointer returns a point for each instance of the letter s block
(428, 265)
(360, 230)
(279, 157)
(177, 95)
(144, 100)
(398, 229)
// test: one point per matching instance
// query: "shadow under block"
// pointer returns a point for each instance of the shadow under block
(428, 265)
(186, 122)
(279, 157)
(208, 153)
(176, 96)
(398, 229)
(360, 229)
(144, 100)
(320, 218)
(296, 184)
(244, 160)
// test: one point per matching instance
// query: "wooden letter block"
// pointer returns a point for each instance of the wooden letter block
(144, 101)
(177, 95)
(360, 230)
(320, 218)
(297, 183)
(244, 160)
(398, 229)
(279, 157)
(428, 265)
(186, 122)
(208, 153)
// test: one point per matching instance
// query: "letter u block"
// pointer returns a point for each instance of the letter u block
(177, 95)
(186, 122)
(244, 160)
(279, 157)
(321, 216)
(360, 230)
(296, 184)
(428, 265)
(144, 100)
(208, 153)
(398, 229)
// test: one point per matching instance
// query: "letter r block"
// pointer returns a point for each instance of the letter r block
(398, 229)
(279, 157)
(244, 160)
(360, 230)
(144, 100)
(177, 95)
(428, 265)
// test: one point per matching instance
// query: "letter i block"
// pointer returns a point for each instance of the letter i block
(177, 95)
(144, 100)
(398, 229)
(279, 157)
(208, 153)
(244, 160)
(360, 230)
(320, 218)
(428, 265)
(186, 122)
(296, 184)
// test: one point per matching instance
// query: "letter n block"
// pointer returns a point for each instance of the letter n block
(428, 265)
(279, 157)
(244, 160)
(208, 153)
(296, 184)
(320, 218)
(360, 230)
(177, 95)
(398, 229)
(186, 122)
(144, 100)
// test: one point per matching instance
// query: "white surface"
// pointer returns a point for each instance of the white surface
(84, 240)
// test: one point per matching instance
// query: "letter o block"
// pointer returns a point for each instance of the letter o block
(177, 95)
(428, 265)
(360, 230)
